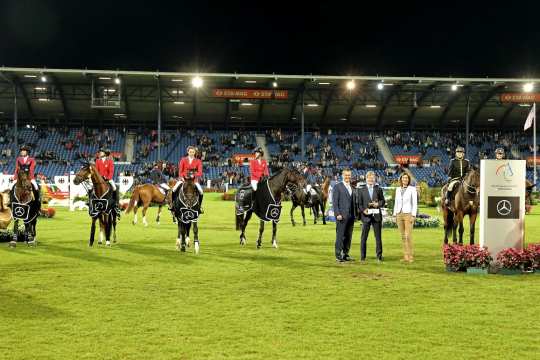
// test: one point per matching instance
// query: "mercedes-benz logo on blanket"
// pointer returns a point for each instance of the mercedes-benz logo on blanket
(274, 213)
(19, 211)
(190, 215)
(504, 207)
(99, 206)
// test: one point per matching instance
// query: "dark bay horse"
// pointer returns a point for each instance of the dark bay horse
(317, 203)
(102, 204)
(186, 209)
(466, 202)
(24, 207)
(146, 194)
(283, 180)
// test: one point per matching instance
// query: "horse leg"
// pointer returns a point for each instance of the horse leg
(292, 215)
(183, 236)
(145, 223)
(472, 220)
(158, 213)
(107, 222)
(135, 208)
(446, 228)
(323, 211)
(92, 232)
(303, 215)
(274, 233)
(114, 226)
(196, 237)
(101, 231)
(315, 211)
(458, 221)
(179, 235)
(261, 231)
(243, 226)
(13, 242)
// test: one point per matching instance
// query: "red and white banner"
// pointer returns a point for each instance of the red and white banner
(520, 98)
(251, 94)
(240, 159)
(408, 159)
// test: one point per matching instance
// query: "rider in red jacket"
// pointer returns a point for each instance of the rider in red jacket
(27, 164)
(258, 168)
(105, 167)
(190, 163)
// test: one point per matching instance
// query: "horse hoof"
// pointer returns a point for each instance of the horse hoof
(304, 224)
(183, 249)
(108, 243)
(157, 222)
(188, 241)
(196, 247)
(274, 245)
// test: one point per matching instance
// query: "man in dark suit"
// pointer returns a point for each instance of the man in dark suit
(370, 197)
(342, 204)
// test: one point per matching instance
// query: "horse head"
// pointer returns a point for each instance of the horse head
(471, 182)
(84, 173)
(296, 183)
(189, 193)
(23, 187)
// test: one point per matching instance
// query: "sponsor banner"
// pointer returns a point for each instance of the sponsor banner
(502, 204)
(408, 159)
(125, 183)
(530, 160)
(520, 98)
(240, 159)
(5, 182)
(62, 183)
(251, 94)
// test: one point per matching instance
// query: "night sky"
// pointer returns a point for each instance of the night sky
(330, 37)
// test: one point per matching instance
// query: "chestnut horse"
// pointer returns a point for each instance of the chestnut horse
(466, 202)
(144, 195)
(100, 191)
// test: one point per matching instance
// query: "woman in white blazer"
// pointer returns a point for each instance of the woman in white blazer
(405, 209)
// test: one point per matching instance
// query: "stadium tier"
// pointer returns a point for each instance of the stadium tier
(426, 154)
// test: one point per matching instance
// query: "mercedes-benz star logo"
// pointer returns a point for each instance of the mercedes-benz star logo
(190, 215)
(274, 213)
(19, 211)
(504, 207)
(99, 206)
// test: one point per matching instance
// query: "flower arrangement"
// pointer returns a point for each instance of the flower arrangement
(534, 253)
(48, 212)
(421, 221)
(511, 259)
(459, 257)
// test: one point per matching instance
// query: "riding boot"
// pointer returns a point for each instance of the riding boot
(200, 202)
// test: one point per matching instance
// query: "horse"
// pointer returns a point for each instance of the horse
(267, 202)
(466, 202)
(529, 186)
(5, 210)
(145, 195)
(317, 204)
(24, 207)
(102, 204)
(186, 209)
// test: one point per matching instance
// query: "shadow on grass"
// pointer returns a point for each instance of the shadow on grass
(172, 255)
(89, 254)
(23, 306)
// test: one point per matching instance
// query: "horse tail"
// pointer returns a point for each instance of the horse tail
(134, 199)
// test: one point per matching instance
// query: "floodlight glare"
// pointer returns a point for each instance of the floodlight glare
(197, 82)
(528, 87)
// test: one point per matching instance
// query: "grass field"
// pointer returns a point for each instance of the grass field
(141, 299)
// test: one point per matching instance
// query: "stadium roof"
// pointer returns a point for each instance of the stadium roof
(64, 96)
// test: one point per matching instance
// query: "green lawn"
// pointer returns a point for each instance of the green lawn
(141, 299)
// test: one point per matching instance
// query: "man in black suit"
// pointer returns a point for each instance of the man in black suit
(370, 197)
(342, 204)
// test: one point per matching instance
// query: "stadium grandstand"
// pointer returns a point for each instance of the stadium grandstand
(327, 122)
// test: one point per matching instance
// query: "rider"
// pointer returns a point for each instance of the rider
(158, 178)
(105, 167)
(187, 164)
(499, 154)
(459, 166)
(27, 164)
(258, 168)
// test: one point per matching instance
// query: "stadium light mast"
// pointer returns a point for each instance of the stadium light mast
(15, 113)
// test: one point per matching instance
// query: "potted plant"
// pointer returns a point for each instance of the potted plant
(454, 258)
(477, 259)
(511, 261)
